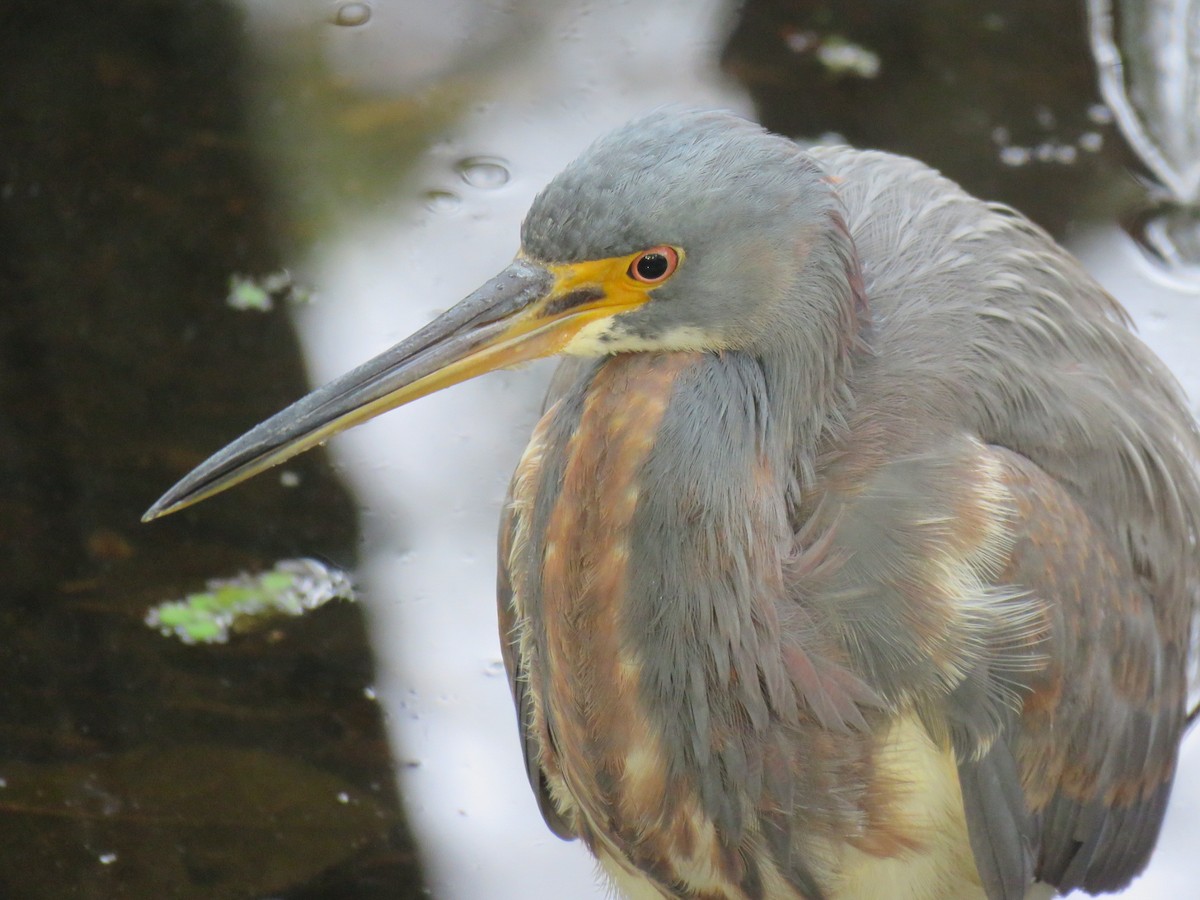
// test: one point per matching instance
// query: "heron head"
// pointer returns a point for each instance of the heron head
(704, 232)
(683, 230)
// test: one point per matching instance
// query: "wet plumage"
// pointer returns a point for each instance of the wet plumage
(854, 556)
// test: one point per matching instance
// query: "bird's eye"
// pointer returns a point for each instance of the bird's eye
(655, 265)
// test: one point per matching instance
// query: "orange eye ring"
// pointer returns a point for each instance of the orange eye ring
(655, 265)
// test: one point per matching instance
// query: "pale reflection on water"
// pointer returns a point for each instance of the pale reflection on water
(431, 478)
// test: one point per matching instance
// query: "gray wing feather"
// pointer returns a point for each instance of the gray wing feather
(1001, 830)
(1092, 756)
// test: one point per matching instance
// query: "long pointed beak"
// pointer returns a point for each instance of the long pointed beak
(524, 313)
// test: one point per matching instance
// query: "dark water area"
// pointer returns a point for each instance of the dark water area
(134, 766)
(133, 185)
(961, 86)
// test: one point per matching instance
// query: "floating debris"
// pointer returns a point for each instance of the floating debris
(247, 602)
(843, 57)
(836, 53)
(247, 292)
(1050, 151)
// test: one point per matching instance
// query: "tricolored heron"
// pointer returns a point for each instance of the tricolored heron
(855, 554)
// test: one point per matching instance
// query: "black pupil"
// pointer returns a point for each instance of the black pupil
(652, 266)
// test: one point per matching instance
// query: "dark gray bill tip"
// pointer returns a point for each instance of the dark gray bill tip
(367, 390)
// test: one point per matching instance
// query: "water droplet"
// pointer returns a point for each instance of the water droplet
(1100, 114)
(351, 15)
(369, 693)
(1091, 141)
(483, 171)
(1065, 154)
(801, 41)
(289, 479)
(494, 669)
(441, 201)
(1014, 156)
(1045, 117)
(343, 797)
(107, 859)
